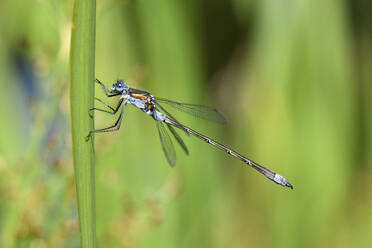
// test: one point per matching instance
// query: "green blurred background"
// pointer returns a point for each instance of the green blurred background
(292, 77)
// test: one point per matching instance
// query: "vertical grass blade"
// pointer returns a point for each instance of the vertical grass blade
(81, 97)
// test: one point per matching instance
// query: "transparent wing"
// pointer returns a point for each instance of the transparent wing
(178, 138)
(200, 111)
(168, 115)
(166, 143)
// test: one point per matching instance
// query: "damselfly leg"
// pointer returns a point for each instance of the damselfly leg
(108, 92)
(112, 128)
(102, 110)
(114, 110)
(104, 103)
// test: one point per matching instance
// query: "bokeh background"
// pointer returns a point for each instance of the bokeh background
(292, 77)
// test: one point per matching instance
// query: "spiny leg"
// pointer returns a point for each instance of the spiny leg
(106, 111)
(104, 103)
(112, 128)
(107, 91)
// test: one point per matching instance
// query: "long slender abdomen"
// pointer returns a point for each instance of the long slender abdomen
(268, 173)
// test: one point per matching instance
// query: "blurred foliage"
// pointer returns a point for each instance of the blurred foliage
(293, 78)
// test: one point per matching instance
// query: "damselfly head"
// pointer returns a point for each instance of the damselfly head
(119, 86)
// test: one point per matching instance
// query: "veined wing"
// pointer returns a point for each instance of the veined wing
(167, 114)
(166, 143)
(178, 138)
(200, 111)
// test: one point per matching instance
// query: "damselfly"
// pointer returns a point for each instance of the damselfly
(152, 106)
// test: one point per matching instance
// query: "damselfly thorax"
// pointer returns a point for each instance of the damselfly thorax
(146, 102)
(152, 106)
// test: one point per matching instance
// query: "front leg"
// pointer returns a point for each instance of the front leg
(108, 92)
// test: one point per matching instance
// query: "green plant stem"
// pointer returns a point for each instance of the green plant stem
(81, 98)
